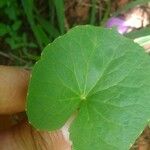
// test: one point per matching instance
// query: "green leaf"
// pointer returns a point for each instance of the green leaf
(103, 76)
(4, 29)
(16, 25)
(41, 35)
(48, 27)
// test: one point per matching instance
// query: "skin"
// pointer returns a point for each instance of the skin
(19, 134)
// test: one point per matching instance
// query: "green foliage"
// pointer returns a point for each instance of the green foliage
(59, 5)
(93, 12)
(102, 76)
(45, 32)
(50, 29)
(4, 3)
(25, 30)
(17, 18)
(28, 8)
(3, 29)
(12, 32)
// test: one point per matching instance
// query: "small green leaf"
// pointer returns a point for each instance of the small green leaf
(16, 25)
(103, 76)
(3, 29)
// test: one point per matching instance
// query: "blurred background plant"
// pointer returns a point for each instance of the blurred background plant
(27, 26)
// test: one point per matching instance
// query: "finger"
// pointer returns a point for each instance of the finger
(22, 137)
(13, 89)
(5, 122)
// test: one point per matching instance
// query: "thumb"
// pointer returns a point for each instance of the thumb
(13, 89)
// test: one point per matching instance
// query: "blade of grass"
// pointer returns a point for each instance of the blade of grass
(28, 8)
(51, 12)
(106, 14)
(39, 34)
(13, 57)
(59, 5)
(43, 39)
(93, 12)
(46, 25)
(30, 56)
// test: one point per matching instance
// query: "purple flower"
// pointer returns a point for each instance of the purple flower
(119, 23)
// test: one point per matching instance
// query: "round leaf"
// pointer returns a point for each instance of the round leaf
(103, 76)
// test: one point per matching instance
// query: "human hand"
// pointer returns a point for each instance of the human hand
(21, 136)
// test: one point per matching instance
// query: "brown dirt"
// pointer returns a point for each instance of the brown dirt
(143, 142)
(77, 11)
